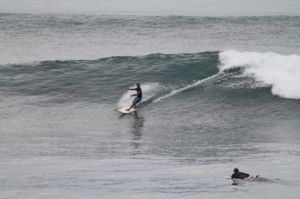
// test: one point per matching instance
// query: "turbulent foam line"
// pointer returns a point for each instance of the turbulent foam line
(280, 72)
(174, 92)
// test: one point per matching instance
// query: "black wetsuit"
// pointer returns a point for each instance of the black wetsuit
(239, 175)
(139, 92)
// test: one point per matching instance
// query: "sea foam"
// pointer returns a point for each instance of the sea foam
(280, 72)
(149, 91)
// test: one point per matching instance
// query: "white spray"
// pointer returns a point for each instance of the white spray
(149, 91)
(280, 72)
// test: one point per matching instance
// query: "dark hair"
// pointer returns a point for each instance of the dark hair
(236, 170)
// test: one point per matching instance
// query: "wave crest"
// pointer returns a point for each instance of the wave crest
(280, 72)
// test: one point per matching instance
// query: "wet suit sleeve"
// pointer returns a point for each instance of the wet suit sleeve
(134, 89)
(240, 175)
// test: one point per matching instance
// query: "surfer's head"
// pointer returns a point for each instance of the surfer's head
(235, 170)
(138, 84)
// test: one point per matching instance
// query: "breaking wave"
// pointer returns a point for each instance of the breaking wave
(280, 72)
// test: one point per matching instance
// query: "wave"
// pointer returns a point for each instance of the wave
(280, 72)
(162, 76)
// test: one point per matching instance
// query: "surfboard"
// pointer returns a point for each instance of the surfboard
(123, 110)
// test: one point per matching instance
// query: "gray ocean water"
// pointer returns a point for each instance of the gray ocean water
(218, 93)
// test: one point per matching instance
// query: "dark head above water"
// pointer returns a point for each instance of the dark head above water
(138, 85)
(235, 170)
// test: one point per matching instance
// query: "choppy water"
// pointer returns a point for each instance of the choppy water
(218, 93)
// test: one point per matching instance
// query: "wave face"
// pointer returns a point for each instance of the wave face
(280, 72)
(106, 79)
(164, 77)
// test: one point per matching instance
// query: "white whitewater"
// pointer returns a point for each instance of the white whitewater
(280, 72)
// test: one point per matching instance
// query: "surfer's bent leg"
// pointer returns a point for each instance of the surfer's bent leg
(134, 103)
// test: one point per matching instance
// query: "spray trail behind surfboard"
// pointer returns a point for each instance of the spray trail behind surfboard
(198, 83)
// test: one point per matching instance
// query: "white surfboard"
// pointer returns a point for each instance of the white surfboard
(124, 110)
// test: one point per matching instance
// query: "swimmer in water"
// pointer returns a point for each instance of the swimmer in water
(239, 175)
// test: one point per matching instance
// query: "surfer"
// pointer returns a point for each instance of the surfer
(239, 175)
(138, 95)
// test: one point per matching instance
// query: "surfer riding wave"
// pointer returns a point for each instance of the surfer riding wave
(138, 95)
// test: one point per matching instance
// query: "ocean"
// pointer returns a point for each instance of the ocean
(218, 93)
